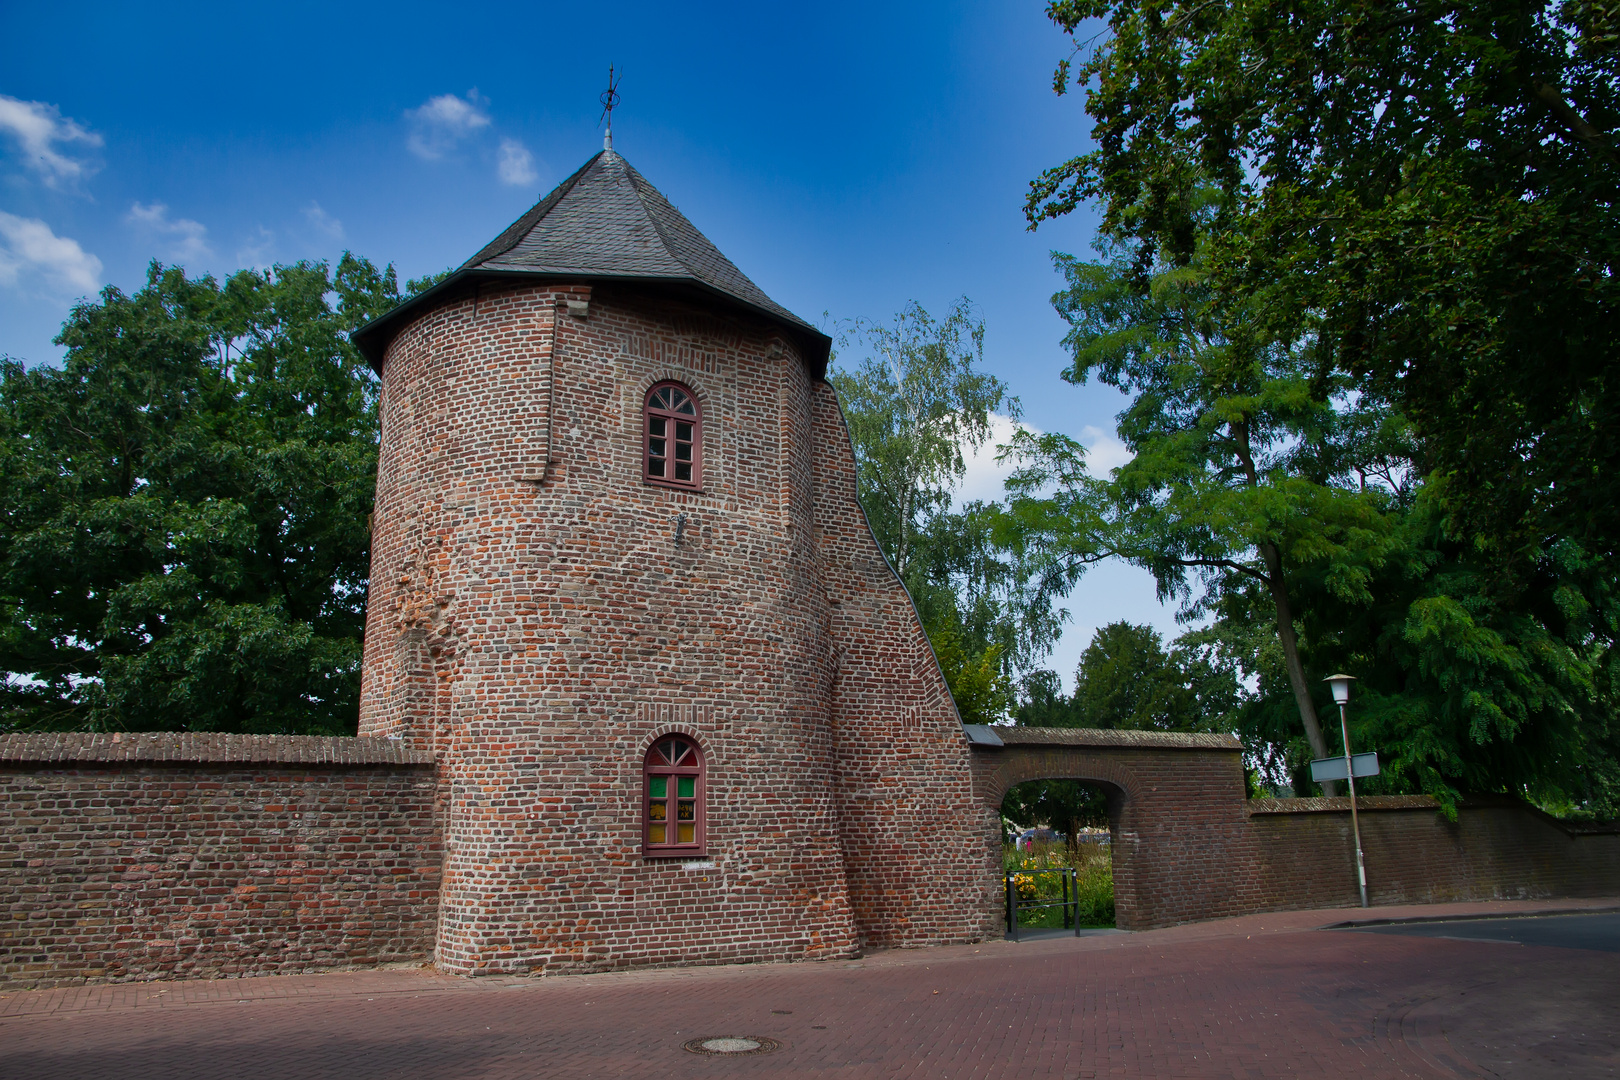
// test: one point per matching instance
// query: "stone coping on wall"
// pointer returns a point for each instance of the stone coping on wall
(204, 747)
(1012, 735)
(1372, 803)
(1341, 804)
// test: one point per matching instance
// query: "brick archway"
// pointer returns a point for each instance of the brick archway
(1182, 848)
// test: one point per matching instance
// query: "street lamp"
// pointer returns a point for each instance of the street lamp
(1341, 695)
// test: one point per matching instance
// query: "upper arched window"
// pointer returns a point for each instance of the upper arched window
(672, 449)
(672, 821)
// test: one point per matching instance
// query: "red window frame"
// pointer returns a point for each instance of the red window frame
(670, 410)
(672, 787)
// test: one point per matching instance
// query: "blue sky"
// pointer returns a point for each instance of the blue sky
(847, 157)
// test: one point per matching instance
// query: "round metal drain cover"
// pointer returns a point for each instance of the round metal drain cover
(733, 1045)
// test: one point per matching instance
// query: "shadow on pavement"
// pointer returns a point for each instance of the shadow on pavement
(1599, 932)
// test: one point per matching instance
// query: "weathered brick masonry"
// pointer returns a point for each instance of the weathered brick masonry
(1188, 844)
(534, 622)
(541, 611)
(152, 856)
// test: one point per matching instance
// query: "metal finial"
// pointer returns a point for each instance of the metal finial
(609, 98)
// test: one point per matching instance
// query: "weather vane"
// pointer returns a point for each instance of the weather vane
(609, 98)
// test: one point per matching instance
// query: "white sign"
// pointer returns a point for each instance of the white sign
(1332, 768)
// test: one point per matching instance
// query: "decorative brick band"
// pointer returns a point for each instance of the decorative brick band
(1154, 740)
(205, 747)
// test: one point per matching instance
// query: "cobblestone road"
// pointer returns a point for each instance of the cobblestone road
(1262, 996)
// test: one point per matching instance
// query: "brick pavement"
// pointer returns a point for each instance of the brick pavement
(1258, 996)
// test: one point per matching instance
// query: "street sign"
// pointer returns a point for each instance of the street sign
(1332, 768)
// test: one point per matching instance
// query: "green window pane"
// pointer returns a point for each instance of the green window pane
(659, 786)
(687, 786)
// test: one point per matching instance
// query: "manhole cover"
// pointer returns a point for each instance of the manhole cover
(732, 1045)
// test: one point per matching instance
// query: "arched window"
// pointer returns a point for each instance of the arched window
(672, 451)
(672, 801)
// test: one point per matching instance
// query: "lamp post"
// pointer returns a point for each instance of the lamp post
(1341, 694)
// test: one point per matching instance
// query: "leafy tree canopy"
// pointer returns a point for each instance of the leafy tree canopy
(1428, 186)
(917, 400)
(1378, 244)
(186, 506)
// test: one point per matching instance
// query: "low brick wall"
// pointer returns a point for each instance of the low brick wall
(1497, 849)
(1188, 844)
(144, 856)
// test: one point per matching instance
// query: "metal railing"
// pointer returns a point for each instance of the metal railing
(1070, 902)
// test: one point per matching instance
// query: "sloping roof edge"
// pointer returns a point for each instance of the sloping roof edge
(374, 337)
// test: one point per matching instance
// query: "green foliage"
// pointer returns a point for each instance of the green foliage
(1126, 680)
(981, 688)
(186, 537)
(1092, 895)
(1065, 805)
(1417, 204)
(1431, 186)
(915, 402)
(1250, 463)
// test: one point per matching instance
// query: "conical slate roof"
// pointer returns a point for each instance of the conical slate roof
(605, 222)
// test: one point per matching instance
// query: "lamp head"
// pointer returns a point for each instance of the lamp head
(1341, 687)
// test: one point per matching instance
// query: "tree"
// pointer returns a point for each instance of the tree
(1250, 461)
(1426, 192)
(914, 404)
(1126, 680)
(1432, 185)
(186, 507)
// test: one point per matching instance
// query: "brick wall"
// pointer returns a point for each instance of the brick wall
(158, 856)
(1181, 842)
(1188, 844)
(534, 621)
(1497, 849)
(911, 827)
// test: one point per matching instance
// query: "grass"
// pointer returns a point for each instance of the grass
(1094, 880)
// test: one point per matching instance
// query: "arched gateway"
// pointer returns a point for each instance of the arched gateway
(1182, 845)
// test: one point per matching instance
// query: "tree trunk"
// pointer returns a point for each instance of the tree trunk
(1296, 670)
(1285, 616)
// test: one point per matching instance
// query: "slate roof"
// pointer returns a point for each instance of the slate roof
(604, 223)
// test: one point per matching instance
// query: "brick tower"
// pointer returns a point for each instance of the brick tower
(622, 588)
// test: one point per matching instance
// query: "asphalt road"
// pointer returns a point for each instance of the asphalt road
(1596, 932)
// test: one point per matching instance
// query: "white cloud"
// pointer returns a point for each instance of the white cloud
(323, 222)
(187, 239)
(1104, 452)
(29, 247)
(254, 254)
(40, 128)
(441, 123)
(986, 477)
(516, 165)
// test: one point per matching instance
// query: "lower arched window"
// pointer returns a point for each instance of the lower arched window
(672, 819)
